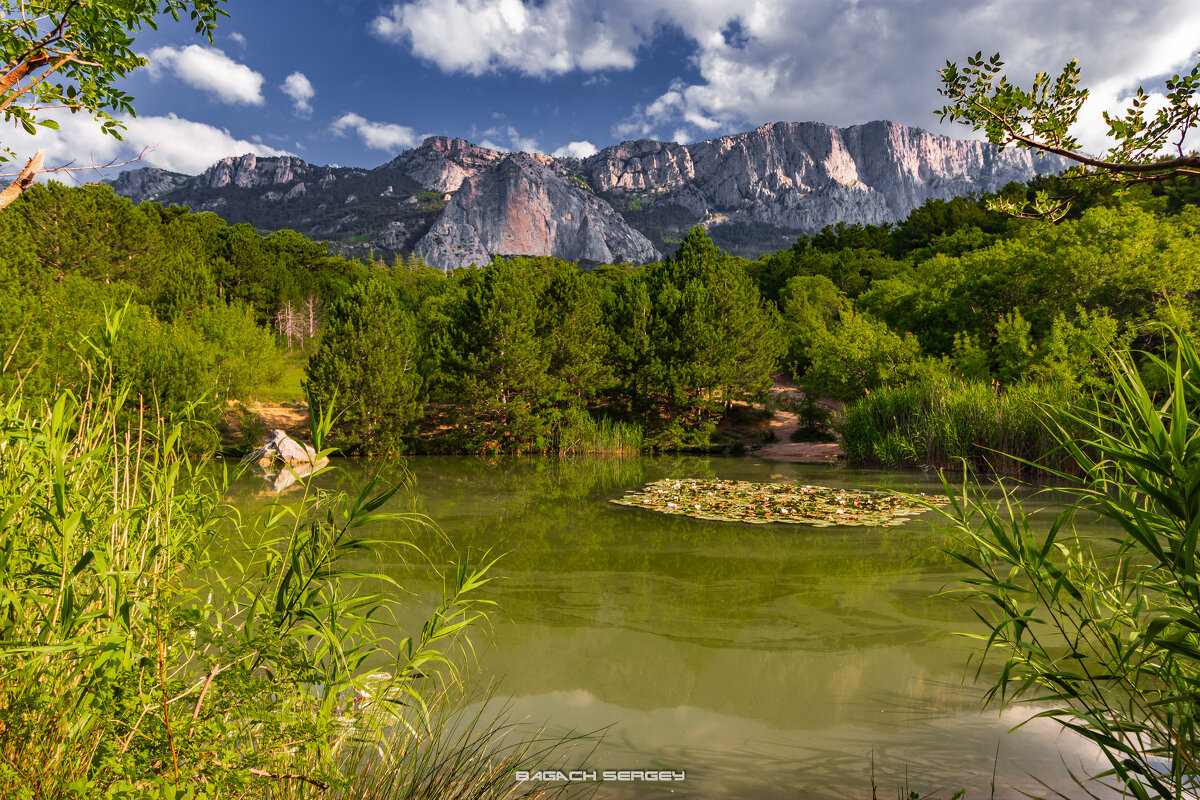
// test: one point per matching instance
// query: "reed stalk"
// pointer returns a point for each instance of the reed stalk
(156, 643)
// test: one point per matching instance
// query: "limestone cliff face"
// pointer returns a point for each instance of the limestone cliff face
(251, 171)
(778, 181)
(521, 206)
(441, 164)
(147, 183)
(805, 175)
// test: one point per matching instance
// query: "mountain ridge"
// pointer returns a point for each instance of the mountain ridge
(627, 202)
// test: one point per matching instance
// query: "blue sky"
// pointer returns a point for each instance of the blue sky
(354, 82)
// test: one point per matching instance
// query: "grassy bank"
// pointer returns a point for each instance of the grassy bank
(938, 424)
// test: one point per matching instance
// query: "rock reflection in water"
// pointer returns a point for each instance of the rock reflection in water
(285, 476)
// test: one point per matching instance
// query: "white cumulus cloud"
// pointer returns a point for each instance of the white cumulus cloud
(298, 87)
(847, 63)
(836, 61)
(508, 139)
(476, 36)
(576, 150)
(210, 70)
(376, 135)
(171, 143)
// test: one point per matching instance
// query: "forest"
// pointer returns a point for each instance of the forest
(941, 333)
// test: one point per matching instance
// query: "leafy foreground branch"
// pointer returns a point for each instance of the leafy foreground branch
(1144, 148)
(1106, 630)
(131, 666)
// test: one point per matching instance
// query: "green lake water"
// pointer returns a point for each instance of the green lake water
(763, 661)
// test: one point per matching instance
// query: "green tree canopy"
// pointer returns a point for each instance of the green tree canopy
(523, 345)
(695, 335)
(365, 369)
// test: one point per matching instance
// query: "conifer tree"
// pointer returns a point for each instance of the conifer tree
(708, 338)
(366, 369)
(524, 344)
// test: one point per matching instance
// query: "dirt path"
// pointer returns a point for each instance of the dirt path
(784, 423)
(291, 420)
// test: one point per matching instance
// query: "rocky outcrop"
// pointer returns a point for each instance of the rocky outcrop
(805, 175)
(251, 171)
(523, 207)
(147, 183)
(780, 180)
(441, 164)
(398, 235)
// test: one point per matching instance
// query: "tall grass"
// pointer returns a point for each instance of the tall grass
(583, 434)
(1105, 633)
(468, 751)
(944, 422)
(133, 665)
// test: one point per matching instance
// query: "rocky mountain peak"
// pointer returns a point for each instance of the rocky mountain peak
(523, 206)
(147, 183)
(251, 171)
(456, 203)
(441, 164)
(801, 176)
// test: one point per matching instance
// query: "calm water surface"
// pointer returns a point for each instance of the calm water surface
(765, 661)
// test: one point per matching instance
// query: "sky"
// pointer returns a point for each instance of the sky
(354, 82)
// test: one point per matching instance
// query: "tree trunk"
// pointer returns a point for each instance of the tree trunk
(23, 181)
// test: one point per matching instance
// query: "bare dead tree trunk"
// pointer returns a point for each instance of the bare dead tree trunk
(286, 323)
(23, 181)
(312, 308)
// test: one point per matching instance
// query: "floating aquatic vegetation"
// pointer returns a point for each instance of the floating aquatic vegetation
(743, 501)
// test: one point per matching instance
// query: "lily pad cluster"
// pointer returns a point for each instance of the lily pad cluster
(744, 501)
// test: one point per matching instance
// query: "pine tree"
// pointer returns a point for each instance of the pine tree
(707, 340)
(524, 344)
(366, 369)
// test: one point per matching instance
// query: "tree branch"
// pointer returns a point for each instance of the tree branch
(295, 776)
(20, 69)
(1185, 163)
(14, 94)
(68, 168)
(24, 179)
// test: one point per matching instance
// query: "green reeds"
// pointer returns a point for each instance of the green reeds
(583, 434)
(1103, 632)
(155, 643)
(465, 751)
(945, 422)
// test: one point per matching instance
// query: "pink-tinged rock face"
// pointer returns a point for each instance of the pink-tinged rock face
(804, 175)
(528, 226)
(442, 164)
(523, 207)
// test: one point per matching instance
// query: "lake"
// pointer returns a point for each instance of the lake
(762, 661)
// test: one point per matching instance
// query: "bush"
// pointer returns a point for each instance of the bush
(860, 354)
